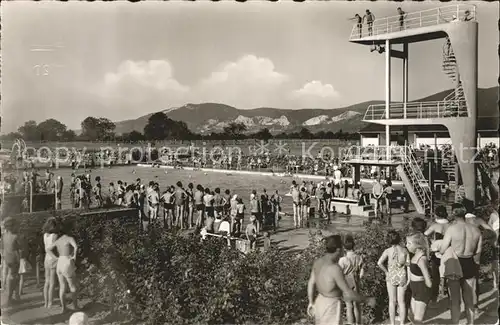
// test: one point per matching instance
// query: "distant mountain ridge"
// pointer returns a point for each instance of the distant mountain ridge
(213, 117)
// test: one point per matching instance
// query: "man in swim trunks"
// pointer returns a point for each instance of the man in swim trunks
(65, 269)
(402, 16)
(465, 239)
(328, 279)
(296, 204)
(200, 207)
(180, 198)
(377, 192)
(359, 23)
(369, 17)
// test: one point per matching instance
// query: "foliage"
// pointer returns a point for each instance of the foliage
(29, 130)
(99, 129)
(52, 130)
(263, 134)
(160, 127)
(234, 130)
(132, 137)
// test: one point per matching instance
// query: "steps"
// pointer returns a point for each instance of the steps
(455, 104)
(356, 210)
(414, 181)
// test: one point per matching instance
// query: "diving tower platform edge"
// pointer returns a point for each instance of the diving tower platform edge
(457, 111)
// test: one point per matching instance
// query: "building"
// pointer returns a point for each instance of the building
(374, 135)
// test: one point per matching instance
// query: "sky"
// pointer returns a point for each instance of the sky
(123, 60)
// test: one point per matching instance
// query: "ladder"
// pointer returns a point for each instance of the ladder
(454, 103)
(415, 182)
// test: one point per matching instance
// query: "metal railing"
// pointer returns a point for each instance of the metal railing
(375, 153)
(455, 95)
(412, 20)
(418, 110)
(402, 155)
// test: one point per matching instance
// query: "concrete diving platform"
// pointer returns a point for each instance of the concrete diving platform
(412, 27)
(371, 162)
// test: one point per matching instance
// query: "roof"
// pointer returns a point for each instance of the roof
(485, 127)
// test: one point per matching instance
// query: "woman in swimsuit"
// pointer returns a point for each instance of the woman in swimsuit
(65, 268)
(50, 263)
(397, 259)
(420, 278)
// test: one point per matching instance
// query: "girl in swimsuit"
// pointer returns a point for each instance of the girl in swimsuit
(436, 233)
(397, 258)
(420, 279)
(50, 263)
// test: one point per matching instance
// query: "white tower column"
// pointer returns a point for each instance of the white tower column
(387, 95)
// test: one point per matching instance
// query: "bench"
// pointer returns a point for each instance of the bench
(318, 222)
(234, 242)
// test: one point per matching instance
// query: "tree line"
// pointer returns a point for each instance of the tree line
(158, 127)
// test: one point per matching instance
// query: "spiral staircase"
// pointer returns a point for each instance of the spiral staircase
(454, 103)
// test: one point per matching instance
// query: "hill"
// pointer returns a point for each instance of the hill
(210, 117)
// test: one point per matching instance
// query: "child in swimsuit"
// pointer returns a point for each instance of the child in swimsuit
(23, 265)
(397, 258)
(11, 252)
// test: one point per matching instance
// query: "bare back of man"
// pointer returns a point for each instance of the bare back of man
(324, 270)
(328, 279)
(465, 240)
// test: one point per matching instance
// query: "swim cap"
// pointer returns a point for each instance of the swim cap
(79, 318)
(469, 216)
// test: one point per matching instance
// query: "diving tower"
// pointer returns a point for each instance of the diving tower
(457, 26)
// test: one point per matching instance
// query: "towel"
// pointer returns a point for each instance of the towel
(450, 267)
(435, 247)
(328, 311)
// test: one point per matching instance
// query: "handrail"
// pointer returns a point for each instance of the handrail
(457, 94)
(431, 109)
(397, 154)
(423, 18)
(417, 172)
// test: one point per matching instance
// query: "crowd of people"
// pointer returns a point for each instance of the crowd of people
(434, 261)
